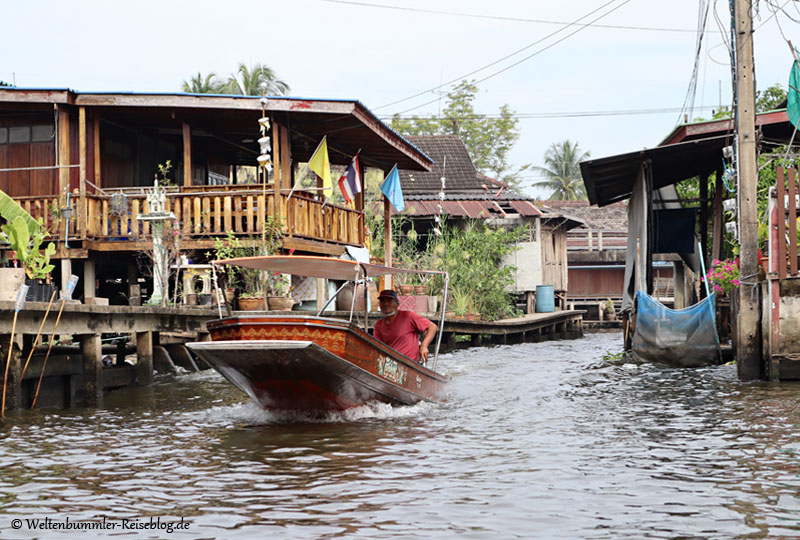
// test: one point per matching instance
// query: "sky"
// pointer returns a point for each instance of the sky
(613, 89)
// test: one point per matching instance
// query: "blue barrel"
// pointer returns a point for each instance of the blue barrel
(545, 301)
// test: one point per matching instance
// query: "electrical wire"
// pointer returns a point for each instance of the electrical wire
(503, 18)
(691, 92)
(535, 53)
(486, 66)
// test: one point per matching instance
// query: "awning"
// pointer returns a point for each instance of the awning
(611, 179)
(318, 267)
(468, 209)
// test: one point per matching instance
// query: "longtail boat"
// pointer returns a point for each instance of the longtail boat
(302, 362)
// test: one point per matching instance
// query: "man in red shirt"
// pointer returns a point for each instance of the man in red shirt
(400, 329)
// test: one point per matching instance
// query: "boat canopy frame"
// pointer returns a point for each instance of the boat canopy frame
(330, 268)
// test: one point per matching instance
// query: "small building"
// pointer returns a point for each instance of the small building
(453, 188)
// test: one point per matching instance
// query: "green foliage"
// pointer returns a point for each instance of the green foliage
(770, 99)
(27, 246)
(488, 140)
(473, 256)
(611, 357)
(251, 281)
(245, 81)
(563, 172)
(3, 83)
(208, 84)
(163, 173)
(11, 210)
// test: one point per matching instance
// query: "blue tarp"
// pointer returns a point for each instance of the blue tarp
(682, 338)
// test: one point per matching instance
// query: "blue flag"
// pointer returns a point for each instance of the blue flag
(391, 188)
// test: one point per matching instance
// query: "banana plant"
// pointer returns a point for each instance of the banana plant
(11, 210)
(27, 246)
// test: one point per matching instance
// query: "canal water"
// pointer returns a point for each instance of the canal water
(549, 440)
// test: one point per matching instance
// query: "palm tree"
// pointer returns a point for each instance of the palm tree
(247, 81)
(563, 172)
(198, 84)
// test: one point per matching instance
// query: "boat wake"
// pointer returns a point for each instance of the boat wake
(250, 414)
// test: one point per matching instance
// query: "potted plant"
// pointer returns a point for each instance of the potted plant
(26, 244)
(279, 290)
(461, 301)
(608, 310)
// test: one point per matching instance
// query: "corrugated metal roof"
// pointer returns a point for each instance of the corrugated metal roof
(525, 208)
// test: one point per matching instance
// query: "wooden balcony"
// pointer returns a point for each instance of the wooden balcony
(108, 222)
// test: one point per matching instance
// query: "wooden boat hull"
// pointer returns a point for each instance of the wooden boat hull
(313, 363)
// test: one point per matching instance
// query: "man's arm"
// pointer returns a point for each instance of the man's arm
(427, 337)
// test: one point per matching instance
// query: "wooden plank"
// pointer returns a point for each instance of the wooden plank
(82, 170)
(227, 218)
(187, 214)
(237, 214)
(780, 185)
(134, 222)
(206, 215)
(218, 215)
(198, 219)
(286, 157)
(146, 224)
(249, 212)
(96, 146)
(187, 154)
(792, 221)
(104, 218)
(261, 212)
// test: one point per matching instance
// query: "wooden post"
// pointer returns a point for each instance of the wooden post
(82, 162)
(66, 272)
(62, 137)
(781, 243)
(679, 287)
(792, 222)
(89, 279)
(278, 178)
(92, 370)
(14, 383)
(748, 350)
(704, 215)
(716, 243)
(187, 154)
(144, 355)
(96, 148)
(286, 157)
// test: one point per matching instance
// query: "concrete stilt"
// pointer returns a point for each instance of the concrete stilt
(92, 354)
(89, 279)
(144, 354)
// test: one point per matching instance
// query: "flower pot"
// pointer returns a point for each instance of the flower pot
(449, 314)
(38, 291)
(11, 279)
(433, 304)
(251, 304)
(344, 300)
(419, 290)
(406, 290)
(204, 299)
(473, 316)
(280, 303)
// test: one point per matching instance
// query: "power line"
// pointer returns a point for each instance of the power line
(502, 18)
(461, 77)
(563, 114)
(535, 53)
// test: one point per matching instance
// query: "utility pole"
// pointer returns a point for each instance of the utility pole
(748, 349)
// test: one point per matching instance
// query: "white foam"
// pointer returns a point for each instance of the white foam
(252, 414)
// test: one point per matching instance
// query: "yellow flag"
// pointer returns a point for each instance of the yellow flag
(321, 165)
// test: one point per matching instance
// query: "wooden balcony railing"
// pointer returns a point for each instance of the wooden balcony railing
(199, 215)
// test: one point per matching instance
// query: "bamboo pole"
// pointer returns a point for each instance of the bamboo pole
(38, 335)
(47, 355)
(21, 294)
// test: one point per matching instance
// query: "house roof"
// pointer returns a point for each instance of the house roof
(773, 125)
(611, 179)
(348, 124)
(613, 217)
(451, 160)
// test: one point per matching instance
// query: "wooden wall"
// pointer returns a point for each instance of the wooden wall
(554, 258)
(27, 144)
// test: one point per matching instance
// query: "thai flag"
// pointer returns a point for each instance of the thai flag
(350, 181)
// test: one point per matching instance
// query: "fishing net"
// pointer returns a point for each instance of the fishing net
(681, 338)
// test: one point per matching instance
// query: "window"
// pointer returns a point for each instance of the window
(20, 134)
